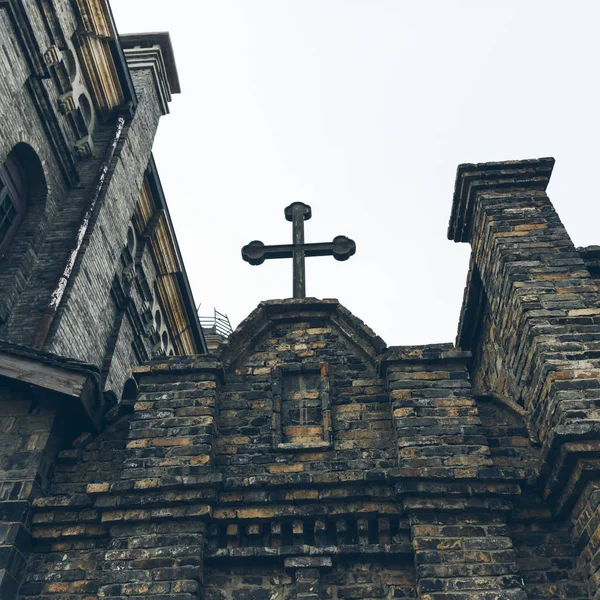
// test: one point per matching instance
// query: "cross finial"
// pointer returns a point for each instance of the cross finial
(341, 248)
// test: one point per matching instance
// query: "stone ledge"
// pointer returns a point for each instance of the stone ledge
(304, 552)
(529, 175)
(302, 446)
(480, 475)
(576, 463)
(326, 484)
(52, 502)
(196, 363)
(303, 562)
(425, 354)
(460, 505)
(307, 553)
(174, 513)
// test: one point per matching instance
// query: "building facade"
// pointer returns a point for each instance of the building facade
(91, 279)
(302, 458)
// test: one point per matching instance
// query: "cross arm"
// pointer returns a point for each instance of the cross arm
(256, 252)
(341, 248)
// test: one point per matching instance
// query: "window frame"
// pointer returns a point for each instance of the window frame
(324, 388)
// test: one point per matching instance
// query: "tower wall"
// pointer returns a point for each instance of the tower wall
(531, 316)
(70, 83)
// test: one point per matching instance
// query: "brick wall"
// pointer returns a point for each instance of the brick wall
(28, 443)
(196, 490)
(29, 115)
(349, 579)
(585, 533)
(89, 300)
(532, 318)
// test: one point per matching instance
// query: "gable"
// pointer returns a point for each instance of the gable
(292, 318)
(301, 393)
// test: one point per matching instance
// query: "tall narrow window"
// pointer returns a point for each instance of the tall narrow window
(14, 196)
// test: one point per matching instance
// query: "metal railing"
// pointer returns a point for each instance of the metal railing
(218, 324)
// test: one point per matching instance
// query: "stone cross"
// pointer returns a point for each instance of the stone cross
(341, 248)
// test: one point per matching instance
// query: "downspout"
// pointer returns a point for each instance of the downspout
(61, 285)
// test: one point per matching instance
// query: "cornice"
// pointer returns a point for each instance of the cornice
(151, 59)
(494, 177)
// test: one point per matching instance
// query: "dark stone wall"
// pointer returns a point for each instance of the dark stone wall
(85, 321)
(305, 459)
(361, 422)
(546, 555)
(531, 316)
(29, 440)
(544, 311)
(347, 580)
(510, 442)
(20, 124)
(195, 490)
(88, 320)
(585, 533)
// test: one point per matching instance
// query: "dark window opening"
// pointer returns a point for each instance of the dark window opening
(14, 199)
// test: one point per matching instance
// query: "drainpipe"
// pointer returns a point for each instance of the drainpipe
(61, 285)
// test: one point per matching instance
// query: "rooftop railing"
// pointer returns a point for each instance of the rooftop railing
(218, 324)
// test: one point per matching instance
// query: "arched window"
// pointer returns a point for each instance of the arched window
(14, 199)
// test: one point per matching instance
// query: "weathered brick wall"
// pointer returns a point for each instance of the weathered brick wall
(89, 300)
(88, 315)
(123, 359)
(200, 487)
(507, 435)
(173, 428)
(56, 239)
(465, 554)
(546, 555)
(585, 533)
(462, 544)
(348, 579)
(28, 443)
(361, 424)
(436, 420)
(21, 124)
(532, 317)
(543, 306)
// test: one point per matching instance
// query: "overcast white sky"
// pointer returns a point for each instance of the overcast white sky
(363, 109)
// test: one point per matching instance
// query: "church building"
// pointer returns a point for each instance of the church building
(302, 458)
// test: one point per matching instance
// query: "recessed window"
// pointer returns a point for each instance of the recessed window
(86, 109)
(14, 197)
(70, 63)
(302, 419)
(130, 240)
(157, 320)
